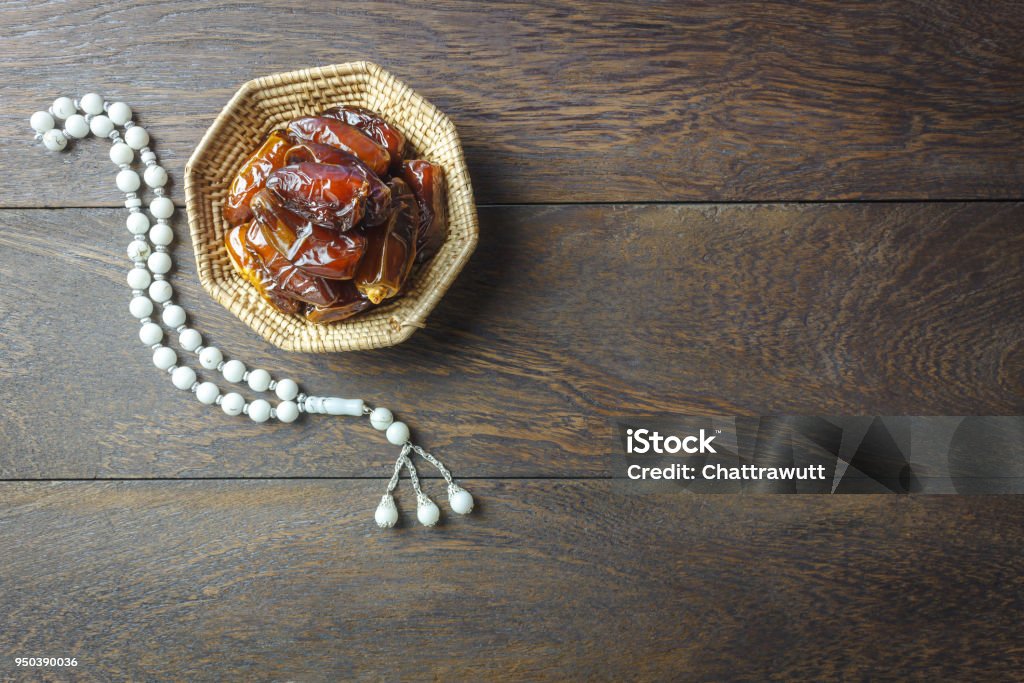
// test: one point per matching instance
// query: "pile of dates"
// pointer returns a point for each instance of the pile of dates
(330, 215)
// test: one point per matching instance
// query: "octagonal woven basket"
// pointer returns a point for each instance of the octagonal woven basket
(270, 102)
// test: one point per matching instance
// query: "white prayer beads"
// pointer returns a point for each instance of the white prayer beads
(150, 289)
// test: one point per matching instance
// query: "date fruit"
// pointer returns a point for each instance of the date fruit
(253, 175)
(349, 302)
(391, 249)
(382, 132)
(252, 272)
(332, 195)
(308, 246)
(427, 183)
(335, 133)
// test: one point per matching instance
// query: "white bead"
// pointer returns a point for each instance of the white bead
(63, 107)
(150, 333)
(210, 357)
(137, 137)
(161, 207)
(233, 370)
(101, 126)
(159, 262)
(461, 502)
(259, 410)
(148, 156)
(138, 250)
(286, 389)
(259, 380)
(77, 126)
(332, 405)
(54, 140)
(173, 316)
(183, 377)
(287, 411)
(120, 113)
(141, 307)
(232, 403)
(397, 433)
(161, 234)
(190, 339)
(164, 357)
(127, 180)
(386, 514)
(121, 153)
(155, 176)
(428, 513)
(41, 121)
(137, 223)
(91, 103)
(207, 393)
(139, 278)
(161, 291)
(381, 418)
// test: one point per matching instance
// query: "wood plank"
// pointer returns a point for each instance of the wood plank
(567, 316)
(650, 101)
(551, 581)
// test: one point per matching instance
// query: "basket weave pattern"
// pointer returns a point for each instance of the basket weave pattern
(267, 103)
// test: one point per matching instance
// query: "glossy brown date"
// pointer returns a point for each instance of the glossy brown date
(310, 247)
(332, 195)
(252, 271)
(427, 183)
(349, 302)
(283, 276)
(318, 154)
(391, 247)
(335, 133)
(382, 132)
(253, 175)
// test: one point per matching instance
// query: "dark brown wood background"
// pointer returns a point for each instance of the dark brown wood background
(685, 207)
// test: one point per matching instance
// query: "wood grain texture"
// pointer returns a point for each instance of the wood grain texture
(650, 101)
(566, 317)
(553, 580)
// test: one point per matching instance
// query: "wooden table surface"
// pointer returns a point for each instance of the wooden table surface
(685, 208)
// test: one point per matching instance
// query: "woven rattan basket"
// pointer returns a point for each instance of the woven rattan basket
(265, 104)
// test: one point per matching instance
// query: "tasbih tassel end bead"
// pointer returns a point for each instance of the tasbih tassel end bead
(460, 500)
(427, 511)
(386, 515)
